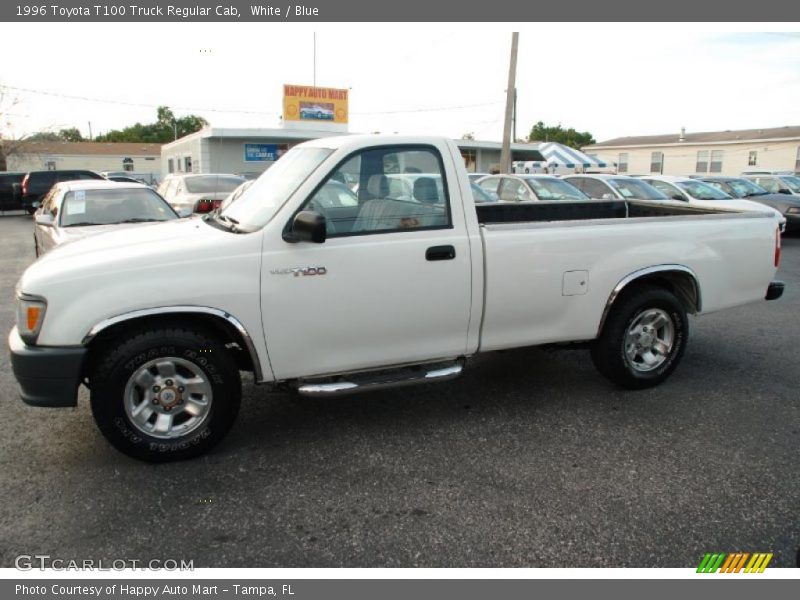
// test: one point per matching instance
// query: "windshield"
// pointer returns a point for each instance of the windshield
(262, 200)
(744, 187)
(702, 191)
(550, 188)
(793, 183)
(107, 206)
(213, 184)
(634, 188)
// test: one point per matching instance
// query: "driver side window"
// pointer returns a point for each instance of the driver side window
(384, 190)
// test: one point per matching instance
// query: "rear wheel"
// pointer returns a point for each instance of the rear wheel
(643, 338)
(165, 394)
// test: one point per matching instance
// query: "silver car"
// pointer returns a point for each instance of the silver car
(73, 210)
(199, 193)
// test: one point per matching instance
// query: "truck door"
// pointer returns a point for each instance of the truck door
(391, 284)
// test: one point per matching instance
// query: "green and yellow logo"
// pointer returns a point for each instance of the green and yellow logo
(734, 562)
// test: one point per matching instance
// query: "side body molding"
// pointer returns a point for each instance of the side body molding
(678, 275)
(166, 310)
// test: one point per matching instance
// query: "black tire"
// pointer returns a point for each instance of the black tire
(609, 351)
(120, 359)
(30, 210)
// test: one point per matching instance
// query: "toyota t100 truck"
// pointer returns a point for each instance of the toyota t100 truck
(391, 278)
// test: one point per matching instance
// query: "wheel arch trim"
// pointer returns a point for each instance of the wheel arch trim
(183, 309)
(691, 298)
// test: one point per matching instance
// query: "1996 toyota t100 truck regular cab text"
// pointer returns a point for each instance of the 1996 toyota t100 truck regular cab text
(311, 285)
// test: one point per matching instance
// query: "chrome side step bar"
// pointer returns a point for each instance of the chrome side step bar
(367, 382)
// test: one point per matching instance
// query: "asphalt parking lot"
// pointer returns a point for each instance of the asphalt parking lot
(532, 459)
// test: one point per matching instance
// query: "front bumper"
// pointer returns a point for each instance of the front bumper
(47, 376)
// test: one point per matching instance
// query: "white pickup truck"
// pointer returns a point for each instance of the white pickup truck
(306, 287)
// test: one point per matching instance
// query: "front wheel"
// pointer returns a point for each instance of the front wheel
(165, 394)
(643, 338)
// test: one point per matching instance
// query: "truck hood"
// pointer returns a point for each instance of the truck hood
(178, 244)
(72, 234)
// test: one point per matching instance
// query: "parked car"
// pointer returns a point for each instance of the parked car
(530, 188)
(778, 184)
(614, 187)
(480, 195)
(11, 191)
(474, 177)
(741, 187)
(37, 183)
(124, 179)
(767, 172)
(147, 178)
(700, 194)
(159, 321)
(199, 193)
(74, 210)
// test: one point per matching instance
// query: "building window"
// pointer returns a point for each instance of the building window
(716, 161)
(50, 165)
(170, 165)
(187, 164)
(127, 164)
(752, 158)
(470, 159)
(657, 162)
(702, 162)
(622, 163)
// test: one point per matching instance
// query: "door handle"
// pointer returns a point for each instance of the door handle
(440, 253)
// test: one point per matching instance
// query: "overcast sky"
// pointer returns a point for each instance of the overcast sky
(448, 79)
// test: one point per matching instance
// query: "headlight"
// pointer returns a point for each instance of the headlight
(795, 210)
(30, 315)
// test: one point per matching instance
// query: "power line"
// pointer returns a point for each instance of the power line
(421, 110)
(251, 112)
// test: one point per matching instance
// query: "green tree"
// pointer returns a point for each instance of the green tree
(165, 129)
(71, 134)
(569, 137)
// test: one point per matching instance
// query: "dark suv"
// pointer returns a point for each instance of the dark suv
(10, 191)
(37, 183)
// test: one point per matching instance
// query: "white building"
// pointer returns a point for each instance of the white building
(251, 151)
(93, 156)
(723, 152)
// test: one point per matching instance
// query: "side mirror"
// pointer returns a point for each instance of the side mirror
(184, 212)
(45, 219)
(308, 226)
(784, 191)
(678, 197)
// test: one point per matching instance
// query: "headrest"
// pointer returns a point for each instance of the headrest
(378, 186)
(425, 190)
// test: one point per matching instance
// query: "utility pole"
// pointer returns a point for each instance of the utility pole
(514, 121)
(90, 131)
(505, 153)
